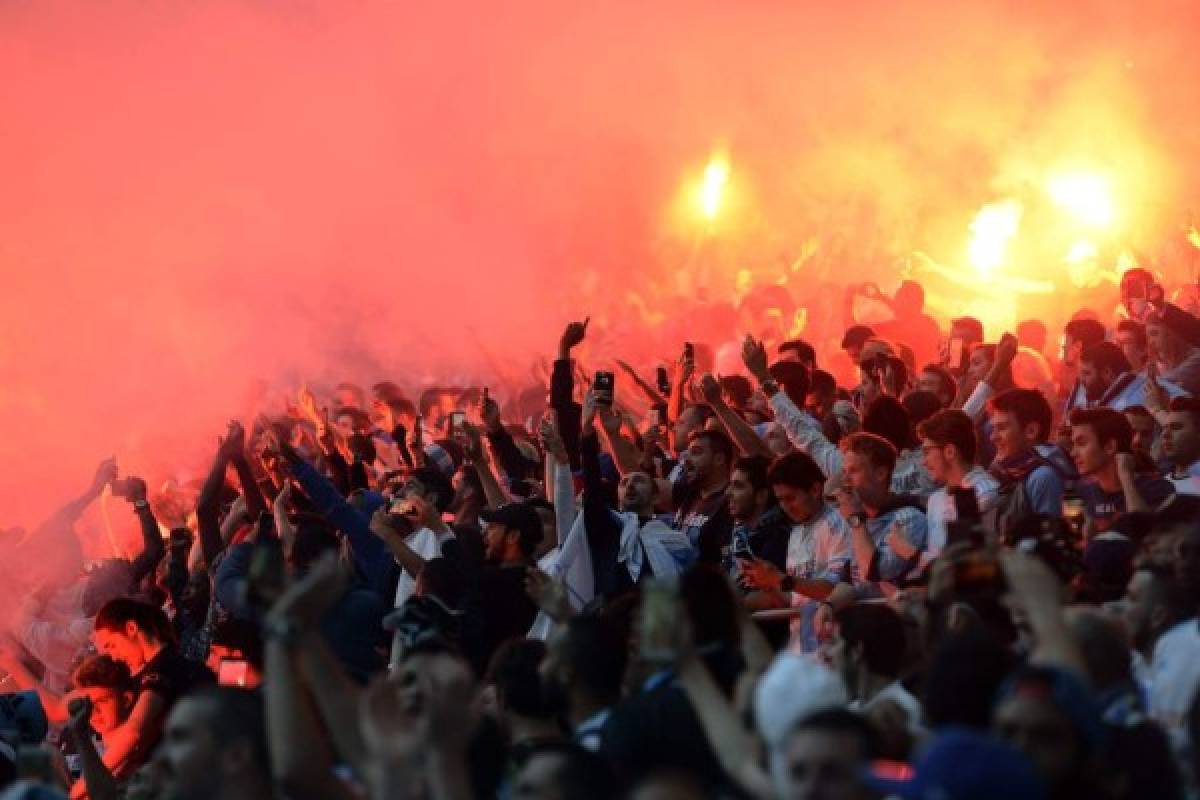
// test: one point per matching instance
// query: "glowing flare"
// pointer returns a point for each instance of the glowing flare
(1081, 252)
(1085, 196)
(712, 189)
(991, 230)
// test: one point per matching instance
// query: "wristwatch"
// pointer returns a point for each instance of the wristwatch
(857, 519)
(140, 505)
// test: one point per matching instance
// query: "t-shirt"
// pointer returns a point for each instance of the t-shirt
(896, 693)
(171, 676)
(941, 511)
(706, 521)
(817, 550)
(1104, 508)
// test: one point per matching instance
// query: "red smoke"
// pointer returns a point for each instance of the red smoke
(200, 195)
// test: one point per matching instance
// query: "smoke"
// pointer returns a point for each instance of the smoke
(201, 198)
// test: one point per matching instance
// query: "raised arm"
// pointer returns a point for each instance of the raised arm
(740, 431)
(208, 505)
(624, 452)
(153, 548)
(493, 493)
(300, 758)
(649, 391)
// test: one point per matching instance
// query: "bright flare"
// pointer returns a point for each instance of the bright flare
(993, 227)
(1085, 196)
(1082, 252)
(712, 190)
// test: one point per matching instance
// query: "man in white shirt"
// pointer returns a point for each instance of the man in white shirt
(949, 444)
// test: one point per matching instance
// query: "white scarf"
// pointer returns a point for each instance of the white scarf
(669, 552)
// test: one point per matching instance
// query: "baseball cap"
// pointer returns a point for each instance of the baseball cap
(962, 764)
(519, 516)
(792, 689)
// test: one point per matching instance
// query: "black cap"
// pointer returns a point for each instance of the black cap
(521, 517)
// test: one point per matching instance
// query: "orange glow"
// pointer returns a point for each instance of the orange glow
(1085, 196)
(993, 227)
(712, 188)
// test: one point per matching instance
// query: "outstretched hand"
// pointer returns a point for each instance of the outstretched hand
(106, 473)
(754, 356)
(572, 336)
(710, 389)
(233, 445)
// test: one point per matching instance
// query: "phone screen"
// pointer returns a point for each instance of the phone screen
(233, 672)
(603, 388)
(457, 418)
(956, 352)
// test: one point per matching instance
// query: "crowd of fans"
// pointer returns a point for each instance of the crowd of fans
(973, 574)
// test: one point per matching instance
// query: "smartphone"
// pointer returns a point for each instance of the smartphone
(233, 672)
(955, 352)
(604, 388)
(689, 351)
(662, 609)
(457, 420)
(663, 382)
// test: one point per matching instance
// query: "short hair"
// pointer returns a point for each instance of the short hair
(103, 672)
(843, 721)
(584, 775)
(880, 632)
(755, 467)
(797, 470)
(952, 427)
(388, 391)
(437, 484)
(969, 325)
(1136, 328)
(1186, 405)
(1029, 406)
(314, 538)
(822, 383)
(739, 389)
(1107, 424)
(946, 382)
(150, 620)
(597, 652)
(803, 349)
(876, 449)
(887, 417)
(1106, 356)
(719, 442)
(513, 670)
(236, 714)
(793, 377)
(1087, 331)
(856, 336)
(920, 406)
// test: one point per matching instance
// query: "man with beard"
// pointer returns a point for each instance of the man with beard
(608, 551)
(215, 748)
(702, 508)
(512, 533)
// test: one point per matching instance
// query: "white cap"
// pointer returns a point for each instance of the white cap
(792, 689)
